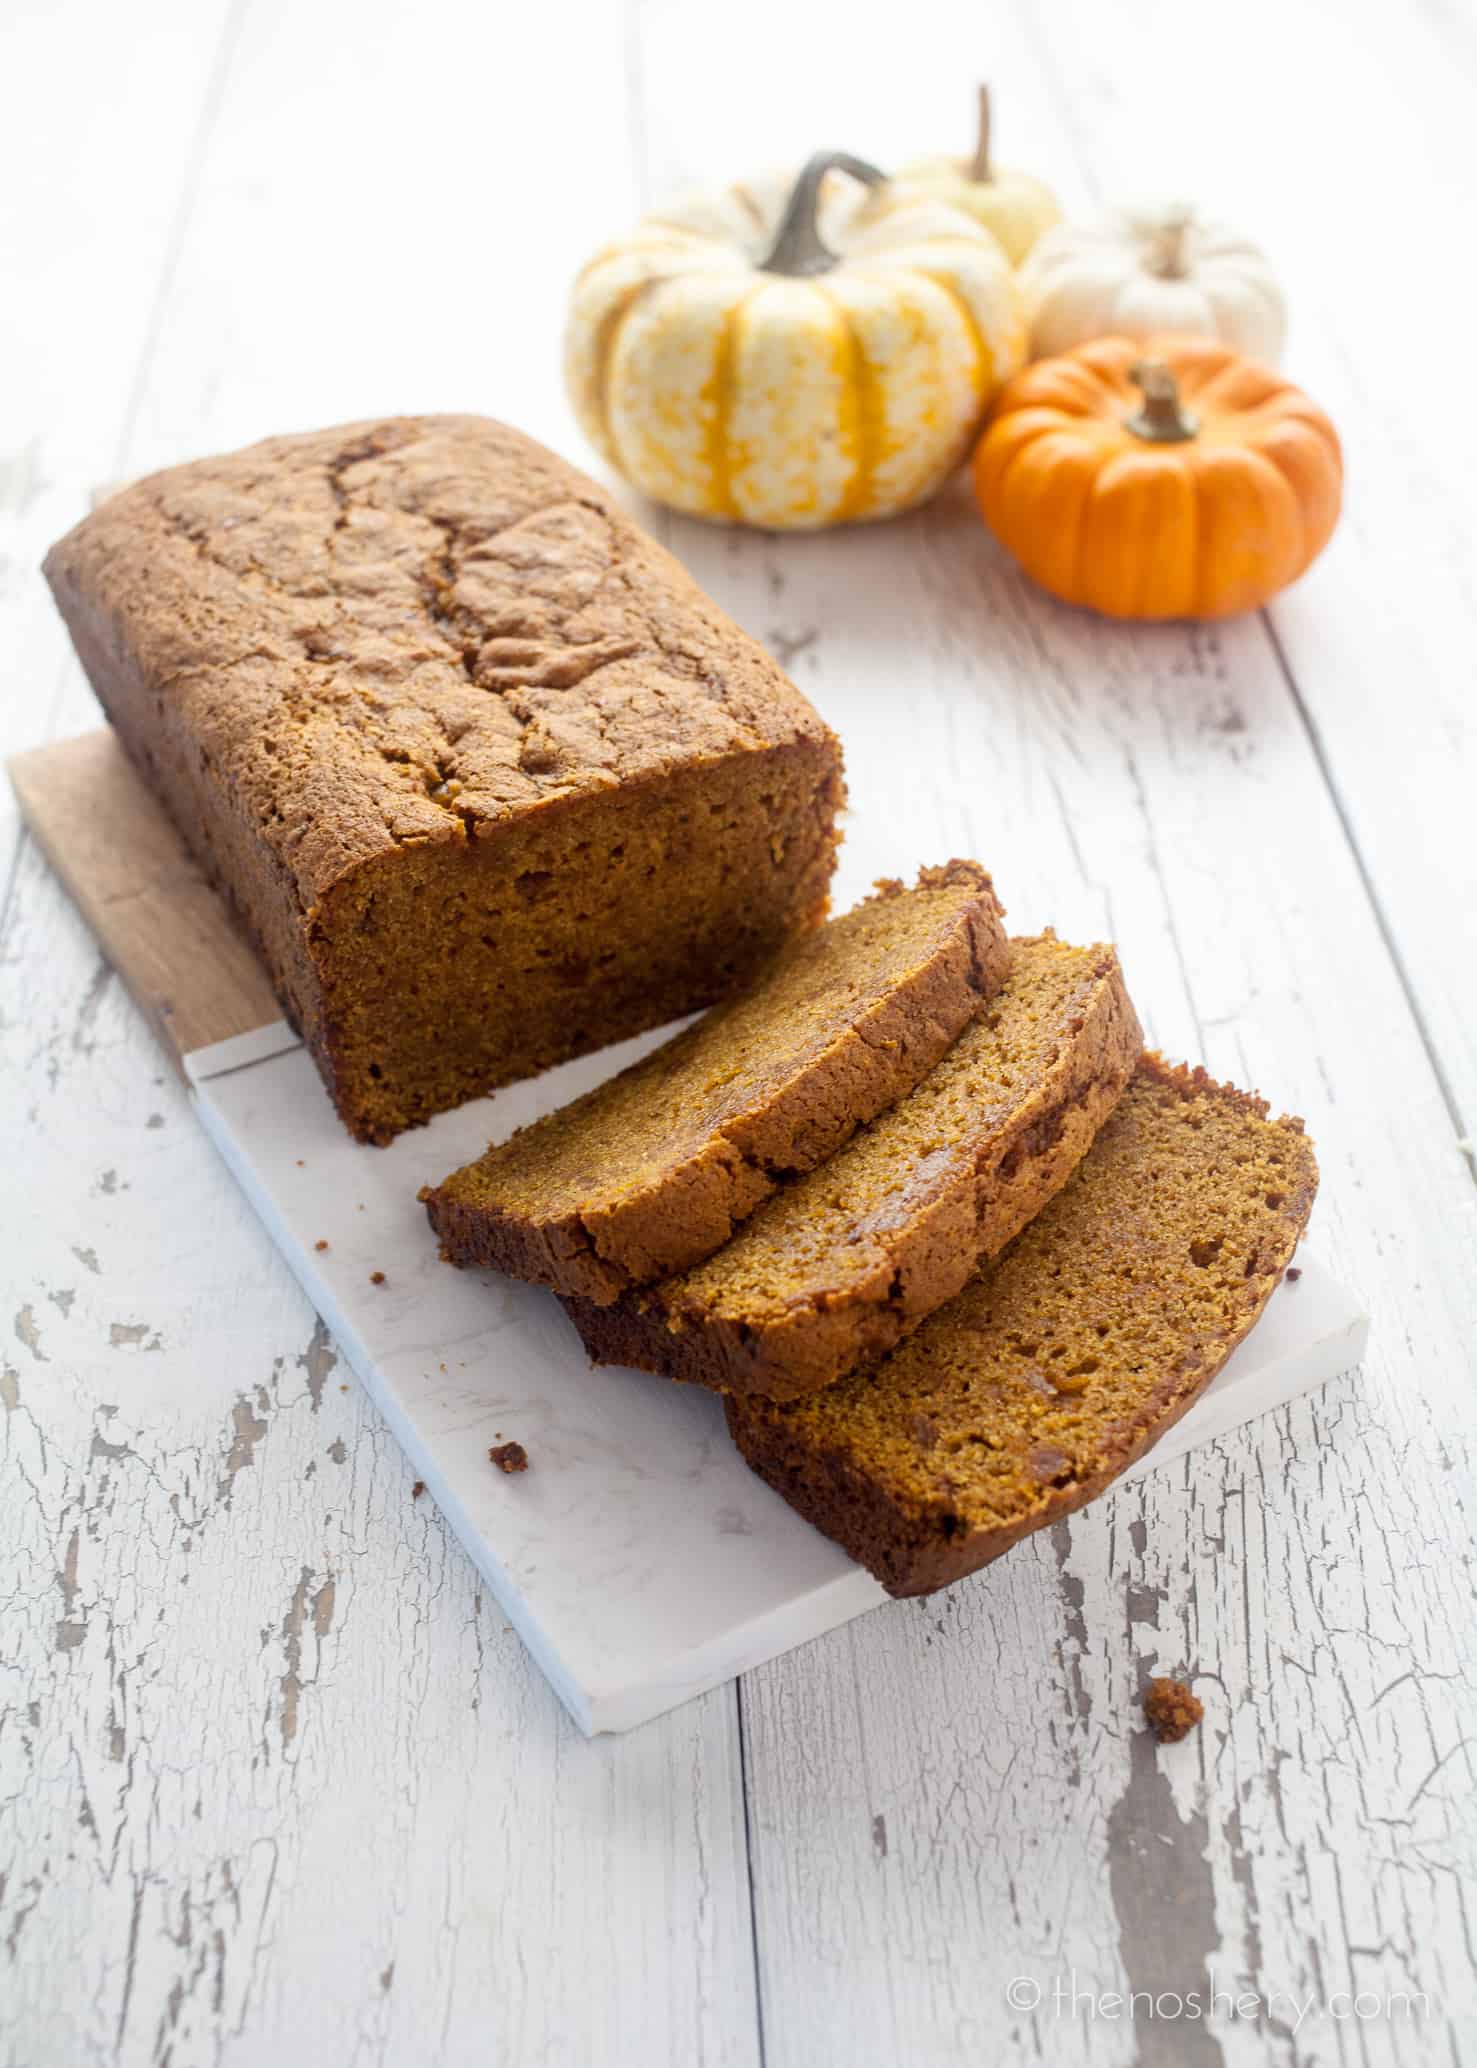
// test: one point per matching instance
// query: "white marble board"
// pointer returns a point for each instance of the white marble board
(638, 1557)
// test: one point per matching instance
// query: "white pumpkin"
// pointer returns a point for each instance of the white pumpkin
(793, 353)
(1143, 272)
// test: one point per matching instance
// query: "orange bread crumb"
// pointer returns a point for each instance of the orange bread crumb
(1172, 1710)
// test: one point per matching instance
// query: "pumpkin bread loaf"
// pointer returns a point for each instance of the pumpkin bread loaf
(488, 778)
(654, 1169)
(1064, 1359)
(839, 1266)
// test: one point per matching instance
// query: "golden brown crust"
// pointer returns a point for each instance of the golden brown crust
(849, 1262)
(420, 669)
(1068, 1357)
(845, 1264)
(653, 1170)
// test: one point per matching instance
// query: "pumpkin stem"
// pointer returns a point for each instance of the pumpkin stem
(1168, 255)
(979, 164)
(1163, 420)
(797, 249)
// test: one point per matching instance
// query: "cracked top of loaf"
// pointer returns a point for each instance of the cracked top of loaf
(407, 630)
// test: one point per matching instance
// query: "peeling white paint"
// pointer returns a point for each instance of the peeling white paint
(428, 1865)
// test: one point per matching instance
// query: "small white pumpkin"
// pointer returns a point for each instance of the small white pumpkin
(1015, 206)
(793, 353)
(1143, 272)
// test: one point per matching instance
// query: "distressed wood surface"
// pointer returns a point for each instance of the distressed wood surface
(278, 1785)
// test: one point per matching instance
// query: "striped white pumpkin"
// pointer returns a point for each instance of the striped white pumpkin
(724, 387)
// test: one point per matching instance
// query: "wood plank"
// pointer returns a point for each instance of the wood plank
(957, 1792)
(427, 1864)
(426, 1867)
(280, 1782)
(443, 285)
(1379, 636)
(162, 927)
(104, 112)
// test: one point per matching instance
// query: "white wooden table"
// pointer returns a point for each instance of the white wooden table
(277, 1785)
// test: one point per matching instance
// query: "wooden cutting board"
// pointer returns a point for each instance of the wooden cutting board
(169, 935)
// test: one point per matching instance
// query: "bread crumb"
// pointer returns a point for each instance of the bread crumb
(320, 1243)
(376, 1277)
(1173, 1711)
(1293, 1273)
(509, 1457)
(418, 1489)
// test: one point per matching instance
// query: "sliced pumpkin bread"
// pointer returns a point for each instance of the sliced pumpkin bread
(1064, 1359)
(837, 1267)
(652, 1171)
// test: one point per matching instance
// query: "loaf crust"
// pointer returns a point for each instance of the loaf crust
(654, 1169)
(1066, 1358)
(840, 1266)
(488, 778)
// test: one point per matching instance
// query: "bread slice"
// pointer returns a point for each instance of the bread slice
(839, 1266)
(652, 1171)
(1066, 1358)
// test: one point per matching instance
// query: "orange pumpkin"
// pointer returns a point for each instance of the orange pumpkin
(1171, 479)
